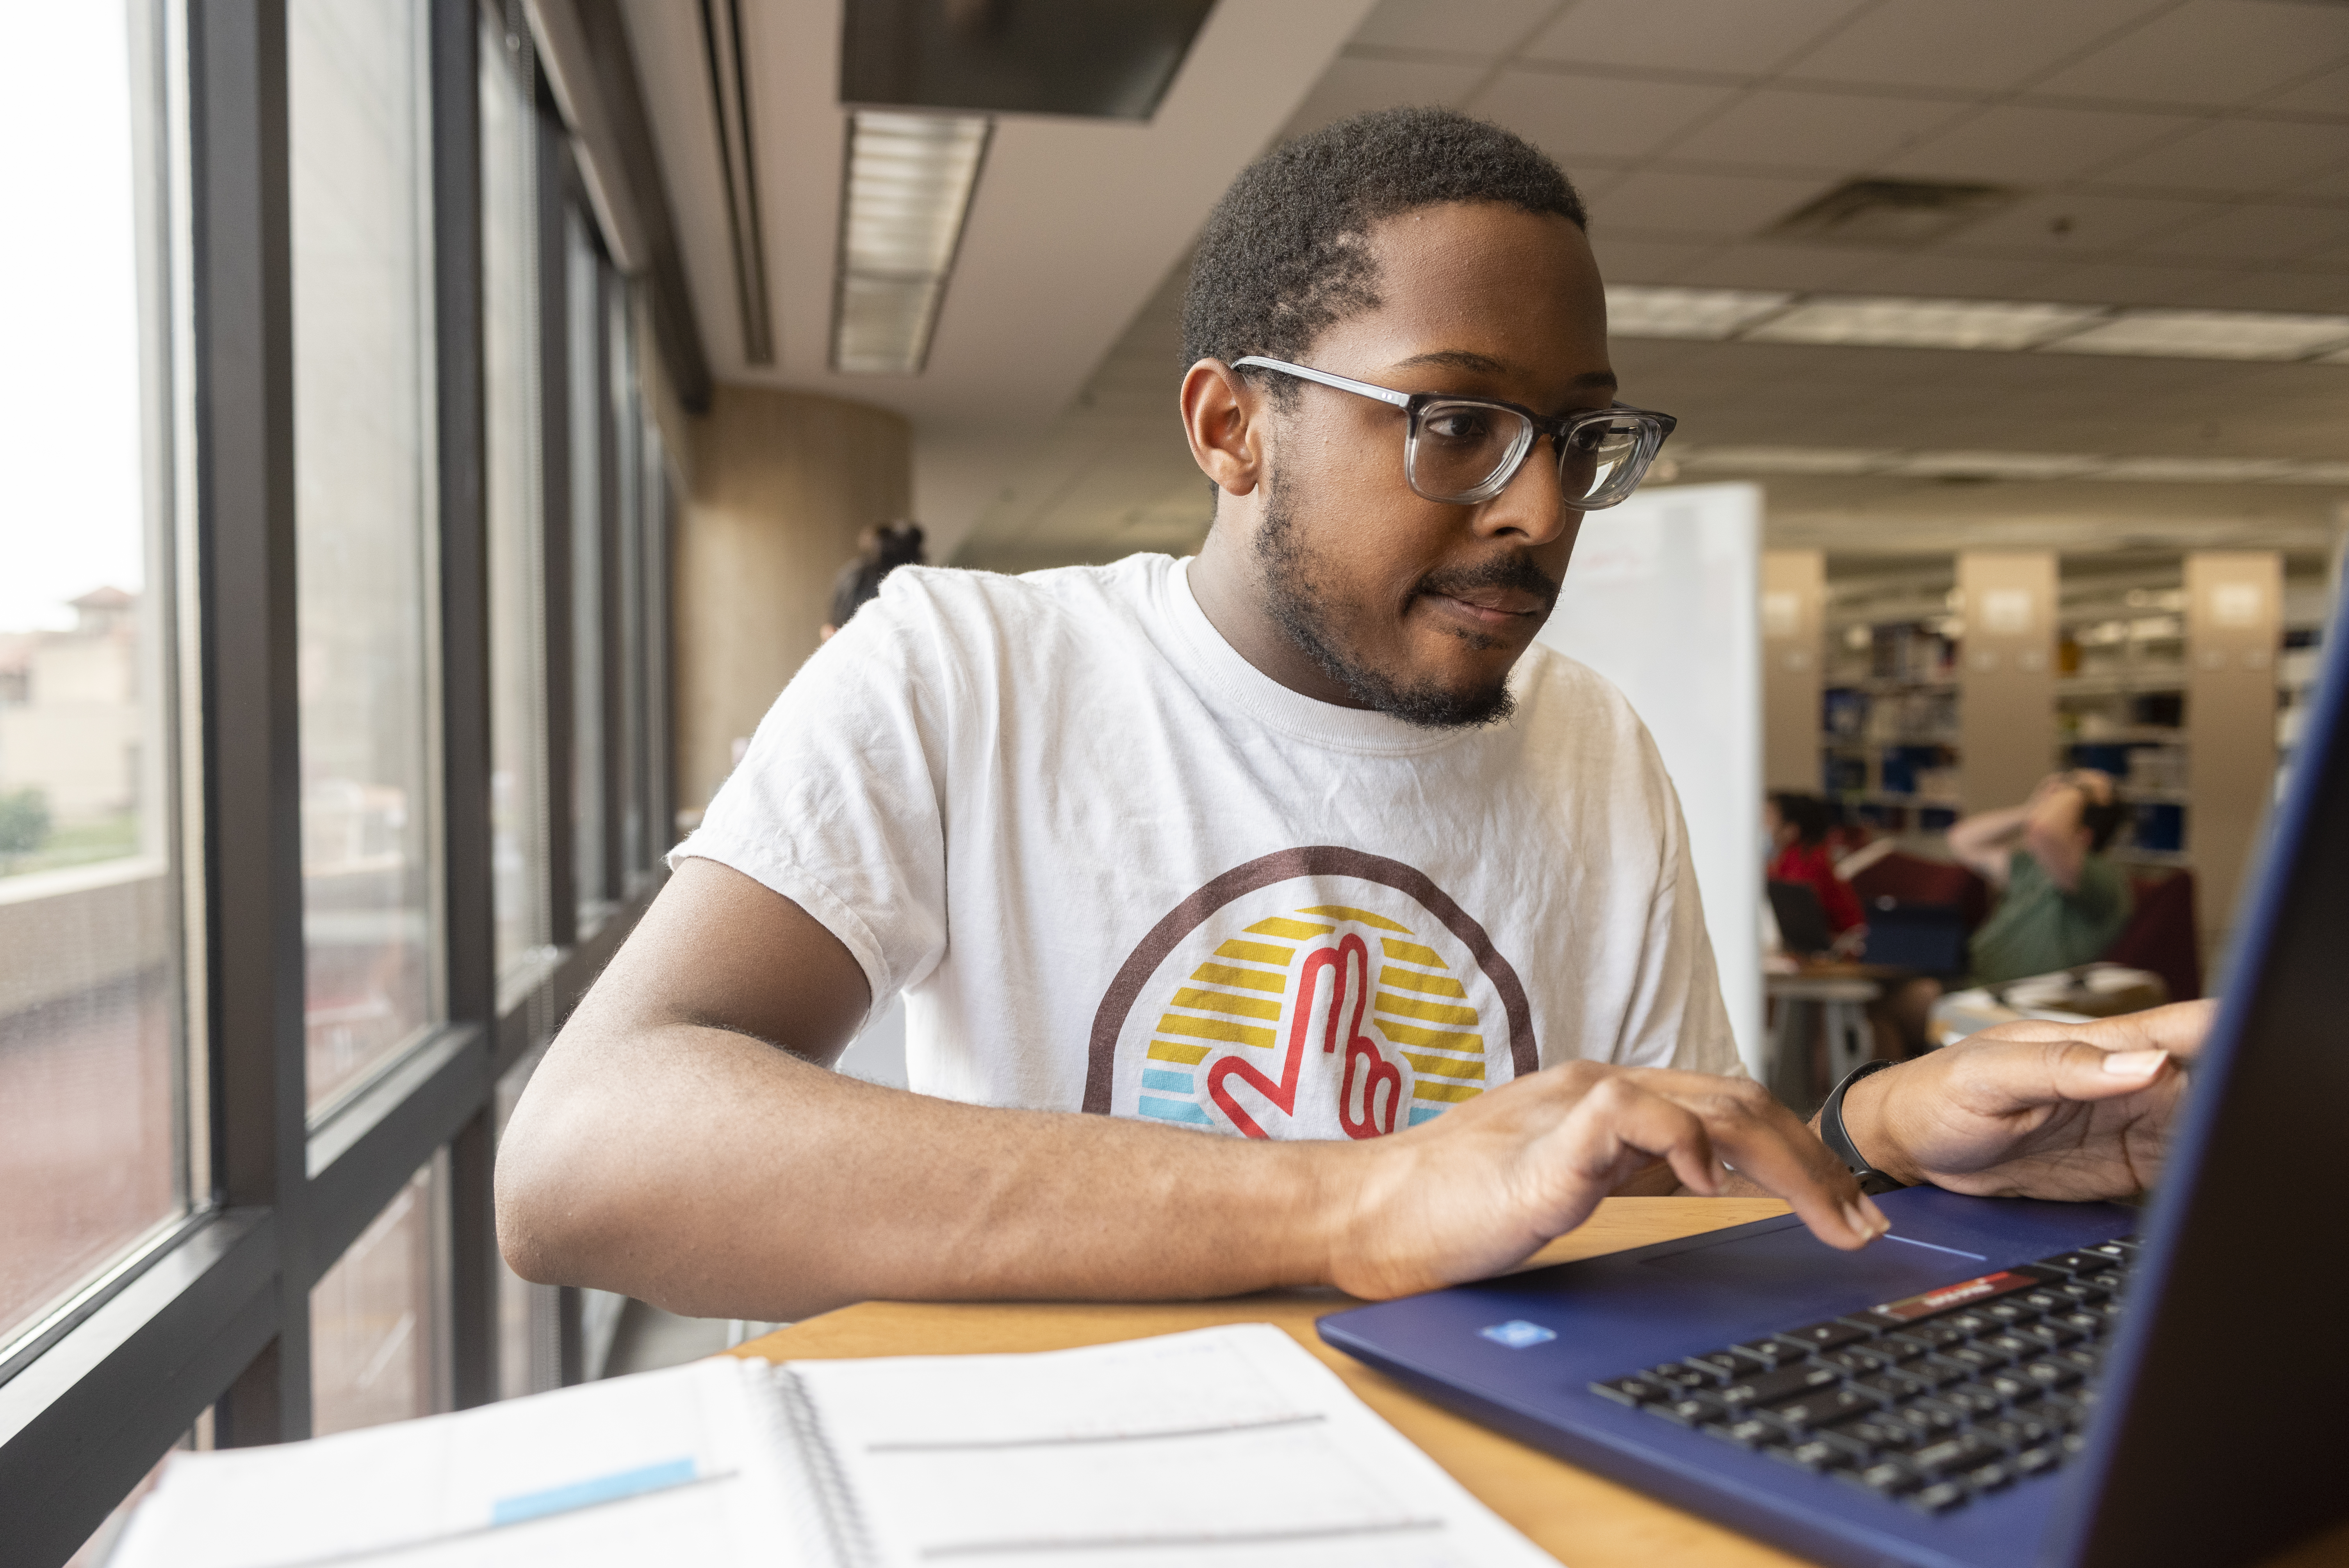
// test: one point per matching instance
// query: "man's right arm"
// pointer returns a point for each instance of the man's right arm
(1984, 841)
(684, 1143)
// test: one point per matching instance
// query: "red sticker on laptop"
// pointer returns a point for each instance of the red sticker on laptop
(1945, 1298)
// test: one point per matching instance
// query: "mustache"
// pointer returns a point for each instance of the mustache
(1514, 571)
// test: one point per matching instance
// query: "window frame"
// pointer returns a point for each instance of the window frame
(216, 1316)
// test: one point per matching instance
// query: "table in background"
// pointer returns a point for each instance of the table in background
(1583, 1520)
(1834, 997)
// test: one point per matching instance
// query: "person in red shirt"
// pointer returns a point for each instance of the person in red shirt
(1797, 825)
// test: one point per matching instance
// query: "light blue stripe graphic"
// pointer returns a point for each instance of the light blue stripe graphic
(1159, 1078)
(1420, 1113)
(586, 1493)
(1173, 1111)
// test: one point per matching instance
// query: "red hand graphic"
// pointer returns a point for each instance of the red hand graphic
(1367, 1117)
(1351, 960)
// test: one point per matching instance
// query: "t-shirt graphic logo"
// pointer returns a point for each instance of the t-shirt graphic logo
(1317, 992)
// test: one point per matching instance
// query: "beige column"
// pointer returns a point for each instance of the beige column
(2006, 680)
(2234, 610)
(1794, 590)
(780, 483)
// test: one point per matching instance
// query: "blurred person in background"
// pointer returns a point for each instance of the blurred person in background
(1797, 826)
(879, 549)
(2062, 900)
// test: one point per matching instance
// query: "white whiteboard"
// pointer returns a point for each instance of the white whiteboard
(1661, 600)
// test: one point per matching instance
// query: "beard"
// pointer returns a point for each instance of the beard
(1293, 594)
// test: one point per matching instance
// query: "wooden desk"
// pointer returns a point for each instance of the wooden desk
(1581, 1519)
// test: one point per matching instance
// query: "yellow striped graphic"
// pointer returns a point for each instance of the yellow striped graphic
(1216, 1029)
(1257, 952)
(1410, 952)
(1247, 1006)
(1254, 979)
(1359, 916)
(1294, 930)
(1168, 1051)
(1437, 1039)
(1431, 1012)
(1431, 985)
(1443, 1066)
(1423, 1089)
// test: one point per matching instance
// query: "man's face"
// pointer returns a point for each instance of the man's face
(1418, 608)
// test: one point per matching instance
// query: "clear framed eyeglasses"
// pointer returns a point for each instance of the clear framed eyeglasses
(1459, 451)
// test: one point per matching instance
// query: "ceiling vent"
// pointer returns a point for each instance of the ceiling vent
(1016, 56)
(1896, 212)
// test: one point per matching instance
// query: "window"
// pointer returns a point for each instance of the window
(94, 1091)
(628, 556)
(517, 631)
(376, 1323)
(364, 470)
(583, 275)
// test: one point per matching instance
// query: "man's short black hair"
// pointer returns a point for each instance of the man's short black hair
(1283, 258)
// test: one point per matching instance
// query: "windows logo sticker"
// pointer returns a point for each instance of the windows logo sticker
(1519, 1335)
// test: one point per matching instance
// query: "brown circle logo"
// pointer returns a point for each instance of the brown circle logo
(1316, 992)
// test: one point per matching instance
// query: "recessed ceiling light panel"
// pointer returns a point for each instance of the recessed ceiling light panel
(1835, 461)
(1890, 322)
(1994, 466)
(2211, 335)
(907, 192)
(1633, 311)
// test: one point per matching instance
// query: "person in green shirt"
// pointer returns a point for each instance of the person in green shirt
(2062, 900)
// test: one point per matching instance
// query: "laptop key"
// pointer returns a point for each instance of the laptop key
(1765, 1386)
(1989, 1477)
(1818, 1453)
(2052, 1334)
(1826, 1336)
(2017, 1431)
(1974, 1359)
(2119, 1252)
(1880, 1432)
(1887, 1478)
(1725, 1364)
(1940, 1497)
(2051, 1373)
(2033, 1460)
(1820, 1410)
(2010, 1385)
(1892, 1387)
(1931, 1418)
(1693, 1411)
(2078, 1264)
(1975, 1399)
(1767, 1352)
(1681, 1375)
(1956, 1454)
(1750, 1433)
(1853, 1360)
(2086, 1359)
(1634, 1390)
(2012, 1346)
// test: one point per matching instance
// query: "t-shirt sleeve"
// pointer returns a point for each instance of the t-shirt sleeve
(836, 806)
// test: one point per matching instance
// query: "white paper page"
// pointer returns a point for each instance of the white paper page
(572, 1476)
(1232, 1445)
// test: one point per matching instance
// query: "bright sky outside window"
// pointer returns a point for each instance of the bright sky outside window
(907, 193)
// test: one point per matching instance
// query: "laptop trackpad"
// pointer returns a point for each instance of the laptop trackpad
(1794, 1269)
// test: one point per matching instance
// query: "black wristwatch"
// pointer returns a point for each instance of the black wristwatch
(1838, 1141)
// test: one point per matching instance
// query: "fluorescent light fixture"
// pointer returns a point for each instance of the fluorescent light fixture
(1884, 322)
(1633, 311)
(1834, 461)
(2211, 335)
(906, 194)
(2195, 471)
(1995, 466)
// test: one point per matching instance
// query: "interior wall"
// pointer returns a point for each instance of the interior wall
(780, 483)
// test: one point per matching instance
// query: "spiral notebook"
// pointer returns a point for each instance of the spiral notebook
(1229, 1446)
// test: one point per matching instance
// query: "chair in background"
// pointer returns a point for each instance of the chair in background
(1912, 879)
(2161, 935)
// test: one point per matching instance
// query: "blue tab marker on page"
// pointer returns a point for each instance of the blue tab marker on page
(587, 1493)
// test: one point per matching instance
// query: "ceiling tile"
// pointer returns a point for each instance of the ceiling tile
(1572, 117)
(1352, 85)
(2259, 234)
(2333, 184)
(2325, 93)
(1644, 260)
(2018, 144)
(1984, 45)
(1655, 203)
(1772, 266)
(2241, 156)
(2064, 225)
(1841, 131)
(2115, 283)
(1931, 275)
(2209, 52)
(1748, 37)
(1463, 27)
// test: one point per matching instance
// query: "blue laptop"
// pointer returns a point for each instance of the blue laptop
(1998, 1382)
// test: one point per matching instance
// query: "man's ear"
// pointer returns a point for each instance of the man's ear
(1221, 418)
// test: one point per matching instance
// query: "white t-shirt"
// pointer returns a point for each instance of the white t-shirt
(1117, 867)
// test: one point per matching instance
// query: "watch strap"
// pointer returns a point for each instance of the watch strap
(1837, 1137)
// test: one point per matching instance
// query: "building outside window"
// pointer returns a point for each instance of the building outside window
(95, 1162)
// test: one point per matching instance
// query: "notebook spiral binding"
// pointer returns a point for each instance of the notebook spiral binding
(851, 1542)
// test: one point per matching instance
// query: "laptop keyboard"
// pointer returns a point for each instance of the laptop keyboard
(1932, 1400)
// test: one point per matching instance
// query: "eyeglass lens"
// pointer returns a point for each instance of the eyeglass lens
(1467, 452)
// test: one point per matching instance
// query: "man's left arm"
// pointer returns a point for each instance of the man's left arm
(2034, 1109)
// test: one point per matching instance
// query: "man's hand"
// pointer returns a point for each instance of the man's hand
(1484, 1186)
(2030, 1110)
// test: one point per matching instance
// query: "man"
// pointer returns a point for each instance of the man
(1301, 842)
(2062, 900)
